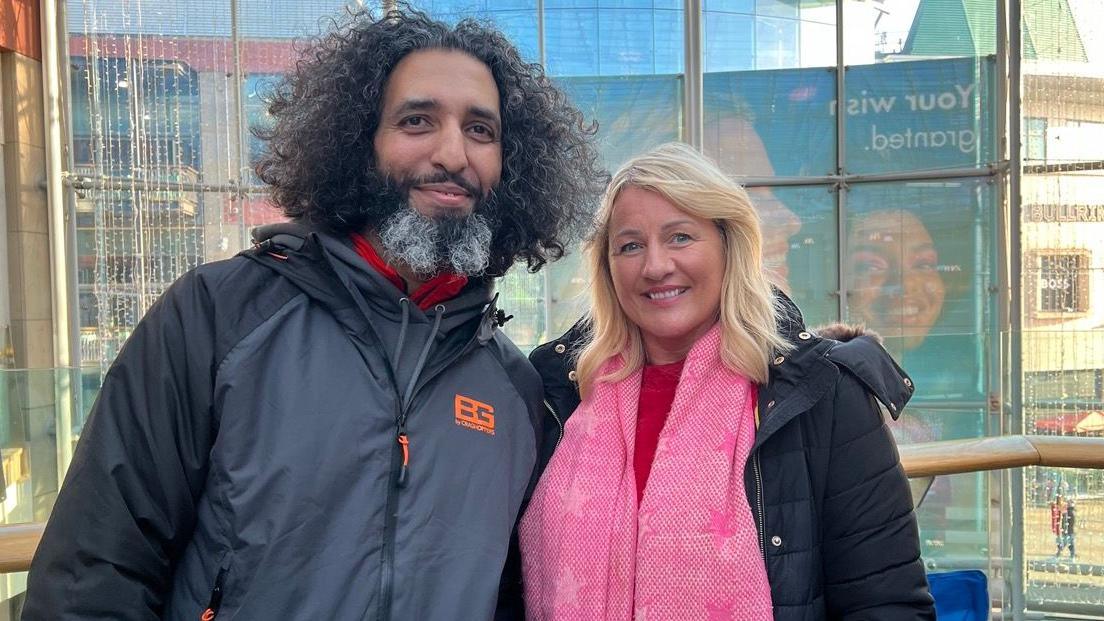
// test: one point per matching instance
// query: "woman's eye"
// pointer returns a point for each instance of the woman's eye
(927, 261)
(868, 263)
(413, 121)
(869, 268)
(681, 238)
(629, 247)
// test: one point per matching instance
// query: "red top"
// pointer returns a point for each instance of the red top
(657, 392)
(443, 286)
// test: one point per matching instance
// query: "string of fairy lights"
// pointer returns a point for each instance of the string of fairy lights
(145, 134)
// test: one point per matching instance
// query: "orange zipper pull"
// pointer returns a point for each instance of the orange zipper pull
(404, 441)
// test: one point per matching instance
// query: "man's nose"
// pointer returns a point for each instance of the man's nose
(450, 150)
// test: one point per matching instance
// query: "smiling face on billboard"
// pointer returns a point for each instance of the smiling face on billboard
(896, 288)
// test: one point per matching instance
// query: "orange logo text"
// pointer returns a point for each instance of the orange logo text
(474, 414)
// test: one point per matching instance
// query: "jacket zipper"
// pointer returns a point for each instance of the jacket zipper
(400, 460)
(759, 506)
(215, 601)
(556, 417)
(390, 519)
(400, 455)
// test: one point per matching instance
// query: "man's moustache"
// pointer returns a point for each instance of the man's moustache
(474, 190)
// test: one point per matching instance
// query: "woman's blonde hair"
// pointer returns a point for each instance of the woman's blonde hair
(748, 309)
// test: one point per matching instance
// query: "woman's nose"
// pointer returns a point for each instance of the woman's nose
(657, 263)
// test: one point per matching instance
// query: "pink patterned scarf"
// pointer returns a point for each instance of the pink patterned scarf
(690, 550)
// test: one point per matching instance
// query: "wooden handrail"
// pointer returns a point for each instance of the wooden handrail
(17, 546)
(18, 541)
(927, 459)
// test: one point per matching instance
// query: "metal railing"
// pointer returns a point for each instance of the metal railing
(926, 459)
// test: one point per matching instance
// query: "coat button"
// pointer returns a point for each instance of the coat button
(560, 348)
(770, 404)
(571, 375)
(776, 541)
(908, 382)
(779, 360)
(893, 406)
(804, 336)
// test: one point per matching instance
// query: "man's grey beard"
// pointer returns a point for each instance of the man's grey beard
(428, 246)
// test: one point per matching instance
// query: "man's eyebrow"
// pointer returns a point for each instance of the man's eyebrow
(416, 105)
(483, 113)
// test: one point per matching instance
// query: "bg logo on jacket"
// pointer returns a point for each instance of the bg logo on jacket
(475, 414)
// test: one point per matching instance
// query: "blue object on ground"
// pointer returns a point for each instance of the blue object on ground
(960, 595)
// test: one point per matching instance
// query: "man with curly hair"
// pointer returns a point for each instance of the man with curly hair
(331, 424)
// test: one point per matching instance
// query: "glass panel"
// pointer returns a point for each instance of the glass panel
(953, 517)
(918, 271)
(767, 34)
(800, 247)
(1063, 543)
(766, 123)
(633, 113)
(592, 39)
(935, 111)
(729, 41)
(567, 292)
(920, 115)
(954, 527)
(1063, 275)
(516, 18)
(912, 29)
(523, 296)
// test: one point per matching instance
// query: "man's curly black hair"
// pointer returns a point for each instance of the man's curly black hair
(320, 160)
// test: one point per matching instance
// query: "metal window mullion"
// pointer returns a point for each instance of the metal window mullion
(1015, 293)
(692, 129)
(81, 183)
(906, 175)
(841, 168)
(64, 307)
(841, 250)
(545, 273)
(542, 57)
(239, 125)
(1007, 528)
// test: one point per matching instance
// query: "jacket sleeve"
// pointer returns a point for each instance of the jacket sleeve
(872, 565)
(128, 503)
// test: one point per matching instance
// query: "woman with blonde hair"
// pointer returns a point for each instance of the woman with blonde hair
(723, 463)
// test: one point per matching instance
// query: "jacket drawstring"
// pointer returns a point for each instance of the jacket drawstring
(403, 438)
(404, 304)
(440, 312)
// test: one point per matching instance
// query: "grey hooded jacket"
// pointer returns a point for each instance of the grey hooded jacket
(243, 455)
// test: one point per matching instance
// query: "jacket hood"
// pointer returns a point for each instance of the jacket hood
(844, 332)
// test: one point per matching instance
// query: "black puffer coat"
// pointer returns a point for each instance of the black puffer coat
(824, 480)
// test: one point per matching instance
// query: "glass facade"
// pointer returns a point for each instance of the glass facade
(885, 203)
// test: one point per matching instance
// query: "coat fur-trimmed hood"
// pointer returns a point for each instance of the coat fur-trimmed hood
(844, 332)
